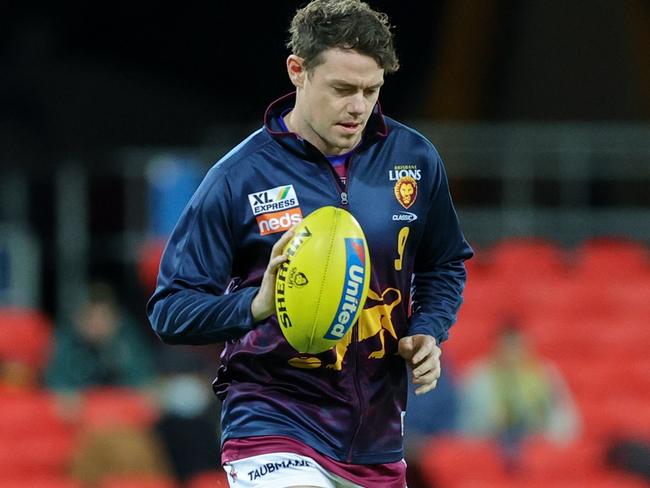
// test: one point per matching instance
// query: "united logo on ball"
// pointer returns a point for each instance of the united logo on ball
(322, 287)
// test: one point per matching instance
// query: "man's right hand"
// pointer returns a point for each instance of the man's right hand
(263, 305)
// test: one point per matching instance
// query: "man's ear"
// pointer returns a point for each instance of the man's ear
(296, 70)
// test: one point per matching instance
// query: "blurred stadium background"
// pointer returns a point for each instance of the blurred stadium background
(111, 114)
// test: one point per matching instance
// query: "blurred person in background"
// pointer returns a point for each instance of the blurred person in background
(101, 346)
(188, 426)
(513, 393)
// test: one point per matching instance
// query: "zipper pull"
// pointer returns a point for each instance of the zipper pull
(344, 198)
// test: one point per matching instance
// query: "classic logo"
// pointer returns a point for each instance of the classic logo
(405, 217)
(406, 191)
(276, 209)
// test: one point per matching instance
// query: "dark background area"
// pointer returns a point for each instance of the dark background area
(91, 76)
(78, 77)
(81, 81)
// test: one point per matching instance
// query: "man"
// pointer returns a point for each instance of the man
(513, 394)
(287, 421)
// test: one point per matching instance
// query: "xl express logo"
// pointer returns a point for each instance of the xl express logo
(276, 209)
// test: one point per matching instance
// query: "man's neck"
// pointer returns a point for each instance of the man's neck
(315, 140)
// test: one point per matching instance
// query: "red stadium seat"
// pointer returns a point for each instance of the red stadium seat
(30, 413)
(631, 298)
(562, 338)
(527, 259)
(25, 336)
(106, 407)
(208, 479)
(451, 462)
(544, 460)
(615, 416)
(41, 454)
(554, 299)
(613, 259)
(34, 440)
(477, 267)
(470, 339)
(38, 482)
(572, 299)
(487, 298)
(565, 338)
(138, 481)
(595, 480)
(589, 378)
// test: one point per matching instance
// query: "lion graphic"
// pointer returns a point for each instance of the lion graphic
(373, 321)
(406, 191)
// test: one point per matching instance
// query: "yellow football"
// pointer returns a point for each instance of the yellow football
(322, 287)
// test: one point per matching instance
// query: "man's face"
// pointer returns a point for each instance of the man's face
(406, 191)
(335, 100)
(97, 323)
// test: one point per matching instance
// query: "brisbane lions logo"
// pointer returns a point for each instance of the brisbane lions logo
(406, 191)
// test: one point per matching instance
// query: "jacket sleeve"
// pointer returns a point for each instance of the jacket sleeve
(191, 304)
(439, 273)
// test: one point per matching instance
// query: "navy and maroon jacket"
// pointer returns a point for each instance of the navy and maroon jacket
(348, 402)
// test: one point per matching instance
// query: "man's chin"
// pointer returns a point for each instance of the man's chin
(346, 144)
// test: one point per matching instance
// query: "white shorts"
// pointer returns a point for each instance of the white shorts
(282, 470)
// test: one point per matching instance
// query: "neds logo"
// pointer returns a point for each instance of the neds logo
(275, 210)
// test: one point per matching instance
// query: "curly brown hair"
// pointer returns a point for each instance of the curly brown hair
(346, 24)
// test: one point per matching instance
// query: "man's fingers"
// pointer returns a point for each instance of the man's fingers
(405, 347)
(432, 372)
(262, 305)
(275, 262)
(426, 388)
(423, 356)
(277, 258)
(277, 248)
(427, 368)
(427, 381)
(420, 367)
(425, 351)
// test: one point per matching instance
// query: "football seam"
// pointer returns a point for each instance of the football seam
(327, 263)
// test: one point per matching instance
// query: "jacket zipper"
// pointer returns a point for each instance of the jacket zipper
(358, 399)
(341, 188)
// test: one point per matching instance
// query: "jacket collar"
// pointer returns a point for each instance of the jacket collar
(376, 130)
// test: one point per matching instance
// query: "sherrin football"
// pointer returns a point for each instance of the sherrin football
(322, 287)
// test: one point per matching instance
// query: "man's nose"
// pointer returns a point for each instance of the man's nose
(356, 104)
